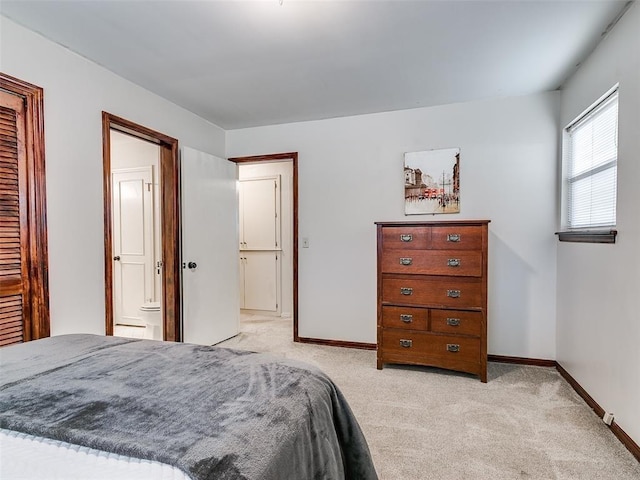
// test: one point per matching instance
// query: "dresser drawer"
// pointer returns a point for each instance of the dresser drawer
(411, 238)
(421, 344)
(433, 262)
(405, 317)
(456, 322)
(456, 292)
(456, 238)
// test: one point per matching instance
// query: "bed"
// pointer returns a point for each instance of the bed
(202, 412)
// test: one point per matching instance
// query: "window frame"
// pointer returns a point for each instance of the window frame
(589, 233)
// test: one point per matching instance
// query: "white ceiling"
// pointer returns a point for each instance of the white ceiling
(249, 63)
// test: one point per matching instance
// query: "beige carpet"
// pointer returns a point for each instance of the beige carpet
(422, 424)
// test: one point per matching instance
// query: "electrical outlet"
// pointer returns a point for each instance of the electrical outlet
(305, 243)
(607, 418)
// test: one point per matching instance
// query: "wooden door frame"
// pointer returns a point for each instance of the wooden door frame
(293, 156)
(37, 325)
(170, 221)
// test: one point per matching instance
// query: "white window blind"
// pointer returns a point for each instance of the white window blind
(591, 149)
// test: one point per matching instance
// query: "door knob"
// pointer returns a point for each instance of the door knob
(192, 265)
(117, 258)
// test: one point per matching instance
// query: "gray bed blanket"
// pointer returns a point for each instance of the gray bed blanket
(215, 413)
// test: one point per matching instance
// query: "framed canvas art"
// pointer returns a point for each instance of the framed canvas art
(432, 182)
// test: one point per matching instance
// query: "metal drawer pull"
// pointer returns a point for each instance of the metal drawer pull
(453, 262)
(453, 322)
(453, 237)
(406, 318)
(453, 347)
(406, 291)
(453, 293)
(406, 343)
(406, 237)
(406, 261)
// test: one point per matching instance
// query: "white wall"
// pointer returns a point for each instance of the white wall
(76, 92)
(285, 170)
(128, 152)
(351, 175)
(598, 285)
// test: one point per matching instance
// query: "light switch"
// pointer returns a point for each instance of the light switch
(305, 243)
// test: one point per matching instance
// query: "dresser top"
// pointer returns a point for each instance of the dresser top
(433, 223)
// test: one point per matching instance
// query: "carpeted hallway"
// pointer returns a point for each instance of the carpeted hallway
(423, 424)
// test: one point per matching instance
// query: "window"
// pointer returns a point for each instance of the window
(591, 158)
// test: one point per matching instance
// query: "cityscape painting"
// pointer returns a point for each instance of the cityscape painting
(432, 182)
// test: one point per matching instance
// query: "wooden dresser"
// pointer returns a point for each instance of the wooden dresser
(432, 294)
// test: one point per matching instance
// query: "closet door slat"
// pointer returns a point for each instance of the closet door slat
(14, 282)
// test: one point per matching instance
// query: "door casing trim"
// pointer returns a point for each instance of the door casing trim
(38, 323)
(170, 219)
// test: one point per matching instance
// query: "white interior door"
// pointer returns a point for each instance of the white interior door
(133, 280)
(260, 281)
(259, 213)
(210, 279)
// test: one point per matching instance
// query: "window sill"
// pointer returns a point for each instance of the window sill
(588, 236)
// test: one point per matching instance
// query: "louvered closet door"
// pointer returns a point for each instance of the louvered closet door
(14, 275)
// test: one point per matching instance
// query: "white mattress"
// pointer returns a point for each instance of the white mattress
(26, 457)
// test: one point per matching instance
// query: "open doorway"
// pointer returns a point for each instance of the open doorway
(137, 239)
(142, 226)
(268, 249)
